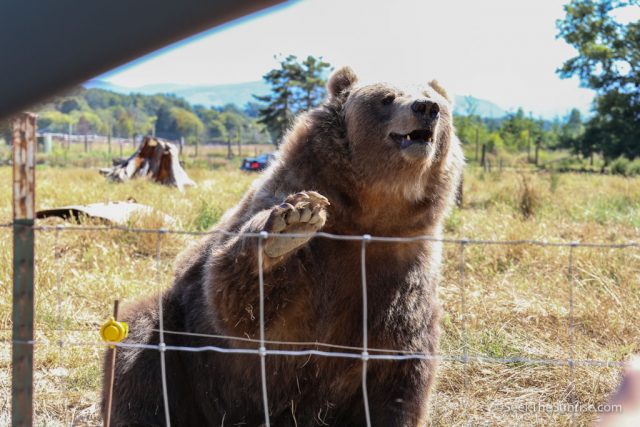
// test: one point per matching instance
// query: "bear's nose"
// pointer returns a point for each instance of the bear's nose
(425, 107)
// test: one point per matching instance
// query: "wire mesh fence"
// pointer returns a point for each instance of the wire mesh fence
(68, 349)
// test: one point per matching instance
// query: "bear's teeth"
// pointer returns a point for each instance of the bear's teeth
(408, 137)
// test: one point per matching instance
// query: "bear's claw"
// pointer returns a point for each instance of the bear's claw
(301, 213)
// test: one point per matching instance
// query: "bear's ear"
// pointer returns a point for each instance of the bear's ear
(436, 86)
(341, 80)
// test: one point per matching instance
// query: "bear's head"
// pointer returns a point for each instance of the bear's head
(395, 136)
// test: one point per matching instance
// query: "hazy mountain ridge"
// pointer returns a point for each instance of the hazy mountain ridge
(241, 93)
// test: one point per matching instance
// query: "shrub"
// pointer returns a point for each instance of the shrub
(634, 168)
(528, 198)
(620, 166)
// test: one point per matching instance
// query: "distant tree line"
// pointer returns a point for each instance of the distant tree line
(516, 132)
(96, 111)
(298, 86)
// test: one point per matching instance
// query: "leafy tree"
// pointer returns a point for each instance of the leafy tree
(216, 130)
(233, 124)
(520, 132)
(231, 108)
(88, 122)
(572, 131)
(101, 99)
(494, 142)
(142, 122)
(210, 118)
(186, 123)
(165, 123)
(574, 126)
(107, 118)
(54, 121)
(615, 130)
(74, 102)
(123, 123)
(608, 61)
(608, 51)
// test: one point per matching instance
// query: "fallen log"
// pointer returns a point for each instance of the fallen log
(116, 213)
(154, 159)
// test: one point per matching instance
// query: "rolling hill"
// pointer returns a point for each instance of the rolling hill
(241, 93)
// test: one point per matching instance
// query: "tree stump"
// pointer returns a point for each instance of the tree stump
(154, 159)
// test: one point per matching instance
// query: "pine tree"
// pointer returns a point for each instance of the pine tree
(295, 87)
(313, 82)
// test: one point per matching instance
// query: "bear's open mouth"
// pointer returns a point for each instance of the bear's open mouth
(418, 136)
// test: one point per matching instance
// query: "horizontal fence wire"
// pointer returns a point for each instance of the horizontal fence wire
(335, 354)
(362, 352)
(314, 348)
(356, 238)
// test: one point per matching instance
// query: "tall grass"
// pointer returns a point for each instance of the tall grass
(528, 198)
(516, 297)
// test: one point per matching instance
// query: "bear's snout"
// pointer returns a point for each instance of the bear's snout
(425, 109)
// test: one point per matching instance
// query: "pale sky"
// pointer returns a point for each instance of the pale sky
(504, 51)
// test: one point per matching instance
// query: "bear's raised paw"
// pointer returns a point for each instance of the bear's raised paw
(301, 213)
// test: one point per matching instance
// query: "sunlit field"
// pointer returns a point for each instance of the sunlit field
(516, 297)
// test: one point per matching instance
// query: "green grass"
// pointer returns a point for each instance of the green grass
(517, 297)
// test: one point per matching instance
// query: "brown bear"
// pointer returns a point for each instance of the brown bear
(371, 159)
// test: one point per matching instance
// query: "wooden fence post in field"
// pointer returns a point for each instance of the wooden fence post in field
(484, 153)
(477, 144)
(109, 141)
(460, 192)
(24, 162)
(110, 373)
(69, 137)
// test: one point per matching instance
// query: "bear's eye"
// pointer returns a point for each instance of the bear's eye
(387, 100)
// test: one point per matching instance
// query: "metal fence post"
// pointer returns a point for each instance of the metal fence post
(24, 161)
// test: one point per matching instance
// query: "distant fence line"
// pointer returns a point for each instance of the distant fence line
(135, 140)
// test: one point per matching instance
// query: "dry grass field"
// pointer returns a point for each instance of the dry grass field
(516, 296)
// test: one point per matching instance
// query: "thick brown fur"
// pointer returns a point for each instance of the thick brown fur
(340, 151)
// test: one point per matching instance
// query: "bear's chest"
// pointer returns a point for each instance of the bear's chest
(399, 286)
